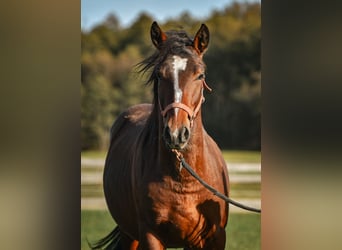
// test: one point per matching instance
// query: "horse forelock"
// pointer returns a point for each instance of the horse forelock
(177, 43)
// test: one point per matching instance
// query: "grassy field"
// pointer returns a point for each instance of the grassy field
(94, 154)
(240, 190)
(229, 155)
(243, 230)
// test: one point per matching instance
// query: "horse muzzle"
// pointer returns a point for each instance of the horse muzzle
(176, 133)
(177, 138)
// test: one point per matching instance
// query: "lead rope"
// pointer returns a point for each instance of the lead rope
(210, 188)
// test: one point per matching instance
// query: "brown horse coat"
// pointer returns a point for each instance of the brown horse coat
(155, 203)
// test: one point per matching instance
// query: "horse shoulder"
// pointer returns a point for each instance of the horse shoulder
(214, 159)
(117, 179)
(134, 115)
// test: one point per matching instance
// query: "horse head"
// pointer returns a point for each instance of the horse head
(180, 74)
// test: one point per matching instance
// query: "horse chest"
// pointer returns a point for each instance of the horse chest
(176, 207)
(175, 210)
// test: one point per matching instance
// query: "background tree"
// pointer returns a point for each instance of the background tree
(96, 112)
(110, 82)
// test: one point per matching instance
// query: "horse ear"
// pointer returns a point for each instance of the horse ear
(201, 39)
(157, 35)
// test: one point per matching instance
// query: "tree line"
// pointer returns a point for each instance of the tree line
(110, 82)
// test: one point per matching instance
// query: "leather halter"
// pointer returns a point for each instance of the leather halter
(191, 113)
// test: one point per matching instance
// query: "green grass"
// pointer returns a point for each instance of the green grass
(94, 226)
(245, 190)
(243, 230)
(242, 156)
(94, 154)
(229, 155)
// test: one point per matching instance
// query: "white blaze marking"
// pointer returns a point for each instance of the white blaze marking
(178, 64)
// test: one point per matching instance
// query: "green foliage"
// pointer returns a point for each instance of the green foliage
(233, 62)
(110, 83)
(96, 110)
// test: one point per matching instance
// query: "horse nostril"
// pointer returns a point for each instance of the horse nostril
(176, 139)
(184, 135)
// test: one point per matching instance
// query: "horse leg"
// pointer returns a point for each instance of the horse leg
(218, 241)
(149, 241)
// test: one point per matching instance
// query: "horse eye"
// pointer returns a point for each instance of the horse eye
(201, 77)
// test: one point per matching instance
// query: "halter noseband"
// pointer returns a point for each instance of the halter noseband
(191, 113)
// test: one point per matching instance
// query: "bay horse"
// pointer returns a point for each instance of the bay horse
(155, 204)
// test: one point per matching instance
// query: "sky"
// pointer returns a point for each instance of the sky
(94, 12)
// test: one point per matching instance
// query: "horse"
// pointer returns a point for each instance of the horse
(155, 204)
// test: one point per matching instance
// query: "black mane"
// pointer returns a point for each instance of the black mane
(176, 44)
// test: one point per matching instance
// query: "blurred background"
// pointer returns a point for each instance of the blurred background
(40, 117)
(115, 37)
